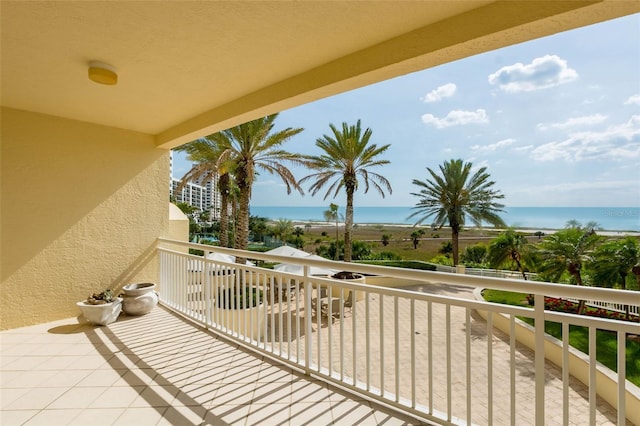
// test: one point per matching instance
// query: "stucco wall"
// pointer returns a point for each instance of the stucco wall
(82, 206)
(178, 226)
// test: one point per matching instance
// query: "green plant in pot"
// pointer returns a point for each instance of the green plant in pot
(101, 298)
(239, 298)
(101, 308)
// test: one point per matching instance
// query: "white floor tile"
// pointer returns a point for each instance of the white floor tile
(77, 398)
(140, 416)
(117, 397)
(17, 417)
(97, 417)
(35, 398)
(53, 417)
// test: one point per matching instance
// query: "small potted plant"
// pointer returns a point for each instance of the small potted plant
(101, 308)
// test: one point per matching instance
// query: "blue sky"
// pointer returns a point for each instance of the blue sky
(556, 121)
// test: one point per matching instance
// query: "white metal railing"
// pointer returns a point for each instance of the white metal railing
(481, 272)
(429, 355)
(619, 307)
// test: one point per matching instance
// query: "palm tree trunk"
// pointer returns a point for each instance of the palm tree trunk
(576, 274)
(242, 226)
(223, 186)
(455, 232)
(623, 282)
(337, 236)
(224, 221)
(348, 224)
(524, 276)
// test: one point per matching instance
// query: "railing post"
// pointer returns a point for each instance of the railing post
(308, 325)
(206, 293)
(539, 356)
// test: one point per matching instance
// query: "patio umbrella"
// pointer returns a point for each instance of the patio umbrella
(196, 265)
(296, 269)
(287, 251)
(225, 258)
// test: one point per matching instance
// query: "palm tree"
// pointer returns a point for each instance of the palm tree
(282, 228)
(251, 147)
(508, 246)
(567, 250)
(209, 163)
(331, 215)
(589, 226)
(613, 261)
(455, 194)
(347, 156)
(415, 237)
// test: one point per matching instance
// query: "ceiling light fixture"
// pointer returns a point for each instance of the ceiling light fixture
(102, 73)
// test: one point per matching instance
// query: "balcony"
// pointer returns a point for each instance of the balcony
(393, 356)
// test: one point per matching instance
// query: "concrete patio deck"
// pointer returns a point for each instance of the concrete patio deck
(159, 369)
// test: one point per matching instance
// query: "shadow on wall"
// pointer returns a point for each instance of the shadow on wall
(81, 206)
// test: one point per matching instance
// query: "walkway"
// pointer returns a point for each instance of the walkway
(376, 377)
(524, 359)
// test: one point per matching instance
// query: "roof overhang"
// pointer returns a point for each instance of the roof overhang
(187, 69)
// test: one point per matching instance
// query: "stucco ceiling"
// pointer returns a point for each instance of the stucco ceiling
(189, 68)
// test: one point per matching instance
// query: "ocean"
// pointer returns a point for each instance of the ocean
(608, 218)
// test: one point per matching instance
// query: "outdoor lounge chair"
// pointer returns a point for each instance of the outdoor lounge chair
(336, 310)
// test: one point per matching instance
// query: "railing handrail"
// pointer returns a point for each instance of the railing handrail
(627, 297)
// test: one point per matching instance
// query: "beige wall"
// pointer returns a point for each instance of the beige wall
(82, 206)
(178, 226)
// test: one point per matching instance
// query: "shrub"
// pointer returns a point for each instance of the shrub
(474, 255)
(446, 248)
(242, 298)
(442, 260)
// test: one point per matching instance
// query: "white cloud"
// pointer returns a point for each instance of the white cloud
(621, 142)
(587, 120)
(440, 93)
(633, 100)
(524, 148)
(542, 73)
(270, 183)
(476, 167)
(584, 185)
(578, 193)
(493, 146)
(457, 118)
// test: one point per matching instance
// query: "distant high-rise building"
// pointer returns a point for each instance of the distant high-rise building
(203, 195)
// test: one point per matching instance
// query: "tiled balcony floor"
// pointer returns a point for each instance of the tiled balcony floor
(159, 369)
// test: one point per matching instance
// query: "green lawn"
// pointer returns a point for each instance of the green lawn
(606, 342)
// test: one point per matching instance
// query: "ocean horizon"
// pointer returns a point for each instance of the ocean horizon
(607, 218)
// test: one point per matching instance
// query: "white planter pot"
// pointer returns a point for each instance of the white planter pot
(101, 314)
(358, 278)
(235, 321)
(231, 315)
(139, 299)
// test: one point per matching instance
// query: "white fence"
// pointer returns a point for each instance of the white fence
(500, 273)
(428, 354)
(619, 307)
